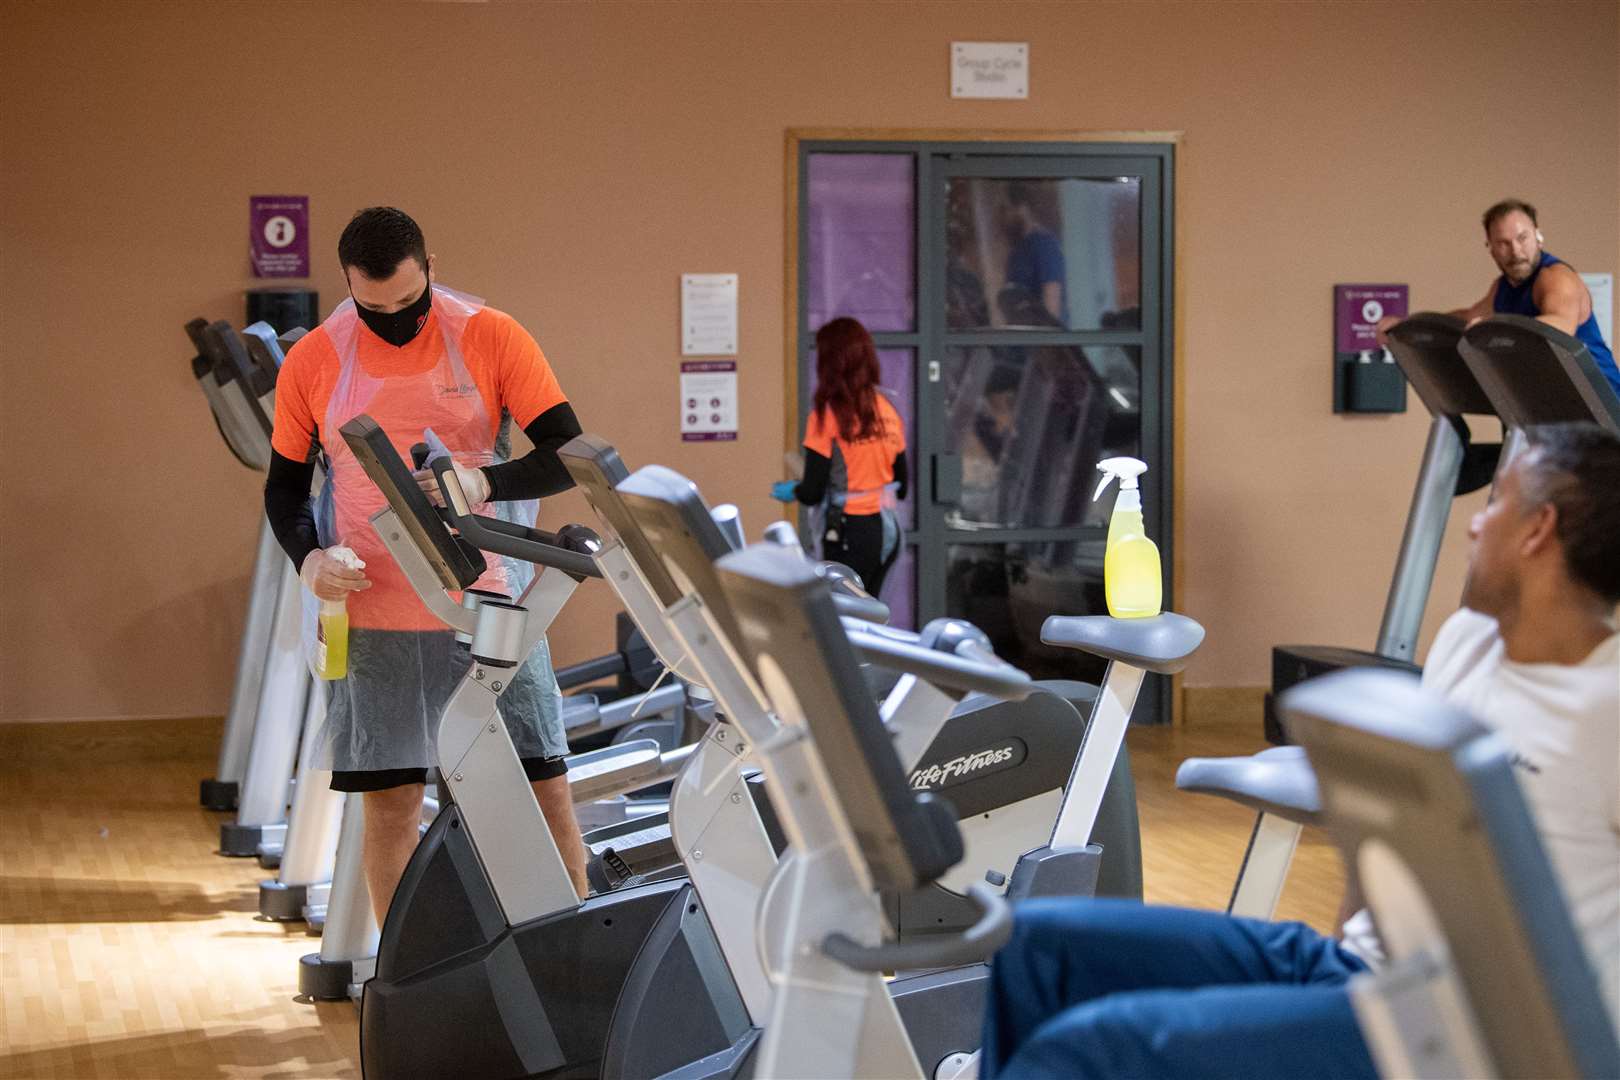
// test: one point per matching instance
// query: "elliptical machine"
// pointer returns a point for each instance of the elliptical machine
(667, 518)
(1005, 764)
(489, 964)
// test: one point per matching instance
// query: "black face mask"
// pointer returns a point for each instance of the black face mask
(398, 328)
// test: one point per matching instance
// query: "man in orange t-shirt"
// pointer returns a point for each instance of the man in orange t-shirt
(417, 357)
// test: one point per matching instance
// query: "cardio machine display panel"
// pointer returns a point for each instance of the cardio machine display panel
(597, 469)
(789, 627)
(1425, 347)
(1538, 375)
(674, 522)
(457, 564)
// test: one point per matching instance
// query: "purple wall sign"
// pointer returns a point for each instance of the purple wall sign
(708, 400)
(278, 232)
(1356, 311)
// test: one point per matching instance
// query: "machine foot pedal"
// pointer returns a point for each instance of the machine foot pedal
(217, 794)
(282, 903)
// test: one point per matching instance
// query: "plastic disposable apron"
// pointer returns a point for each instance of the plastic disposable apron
(384, 714)
(444, 398)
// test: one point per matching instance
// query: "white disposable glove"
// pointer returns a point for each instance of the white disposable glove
(329, 576)
(474, 484)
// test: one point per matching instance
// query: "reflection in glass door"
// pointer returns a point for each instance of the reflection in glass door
(1045, 337)
(1029, 306)
(1043, 253)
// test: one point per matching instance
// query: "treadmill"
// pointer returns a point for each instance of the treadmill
(1426, 348)
(1530, 374)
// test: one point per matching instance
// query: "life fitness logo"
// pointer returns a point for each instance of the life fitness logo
(969, 766)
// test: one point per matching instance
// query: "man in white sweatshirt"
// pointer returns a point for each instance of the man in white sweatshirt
(1108, 988)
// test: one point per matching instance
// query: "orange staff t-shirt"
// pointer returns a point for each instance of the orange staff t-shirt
(868, 462)
(503, 359)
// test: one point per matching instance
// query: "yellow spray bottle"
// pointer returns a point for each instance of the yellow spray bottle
(332, 629)
(1131, 577)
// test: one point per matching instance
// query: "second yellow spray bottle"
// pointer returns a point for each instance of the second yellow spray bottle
(1132, 579)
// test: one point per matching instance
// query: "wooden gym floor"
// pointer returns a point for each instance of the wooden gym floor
(129, 949)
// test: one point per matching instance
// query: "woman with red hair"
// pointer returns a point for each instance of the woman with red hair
(855, 456)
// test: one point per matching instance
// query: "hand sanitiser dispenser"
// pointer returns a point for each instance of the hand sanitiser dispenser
(1131, 577)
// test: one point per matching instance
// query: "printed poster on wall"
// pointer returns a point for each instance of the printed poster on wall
(1601, 286)
(708, 314)
(278, 234)
(708, 400)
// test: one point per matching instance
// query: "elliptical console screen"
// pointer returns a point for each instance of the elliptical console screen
(457, 564)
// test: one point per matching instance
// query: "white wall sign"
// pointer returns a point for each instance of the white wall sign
(989, 69)
(709, 401)
(708, 314)
(1601, 286)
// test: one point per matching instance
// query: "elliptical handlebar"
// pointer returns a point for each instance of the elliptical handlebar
(972, 650)
(866, 608)
(849, 594)
(729, 520)
(974, 945)
(782, 534)
(944, 636)
(968, 667)
(568, 550)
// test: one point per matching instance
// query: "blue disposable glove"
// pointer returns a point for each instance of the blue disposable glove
(785, 490)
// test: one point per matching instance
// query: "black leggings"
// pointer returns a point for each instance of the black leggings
(860, 547)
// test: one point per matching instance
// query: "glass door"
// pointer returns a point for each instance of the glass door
(1024, 329)
(1044, 357)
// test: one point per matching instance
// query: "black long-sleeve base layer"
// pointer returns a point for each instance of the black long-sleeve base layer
(535, 475)
(818, 469)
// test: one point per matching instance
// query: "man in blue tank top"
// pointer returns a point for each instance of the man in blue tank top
(1534, 283)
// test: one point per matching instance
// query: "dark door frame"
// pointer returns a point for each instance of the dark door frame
(928, 147)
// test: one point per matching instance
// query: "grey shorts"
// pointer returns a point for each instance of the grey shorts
(385, 714)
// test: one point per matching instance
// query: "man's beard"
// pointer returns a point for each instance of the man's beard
(1510, 270)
